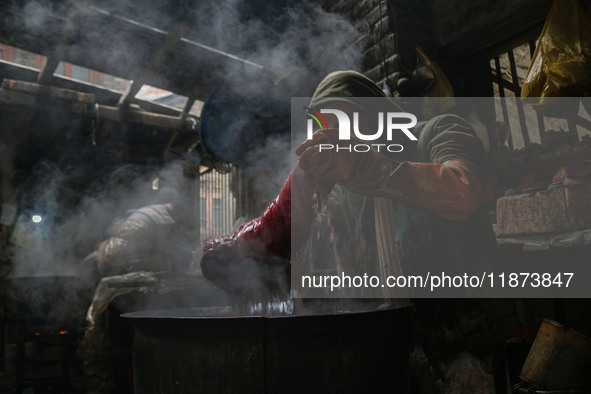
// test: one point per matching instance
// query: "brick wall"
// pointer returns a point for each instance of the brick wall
(390, 37)
(391, 29)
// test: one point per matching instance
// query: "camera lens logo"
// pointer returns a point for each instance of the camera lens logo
(311, 112)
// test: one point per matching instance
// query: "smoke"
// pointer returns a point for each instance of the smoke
(35, 16)
(295, 43)
(278, 36)
(60, 222)
(300, 36)
(268, 169)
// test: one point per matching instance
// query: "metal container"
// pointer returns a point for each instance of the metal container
(207, 350)
(559, 360)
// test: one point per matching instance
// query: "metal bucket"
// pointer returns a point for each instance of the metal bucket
(559, 360)
(207, 350)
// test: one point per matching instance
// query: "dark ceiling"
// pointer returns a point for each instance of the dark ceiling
(486, 27)
(122, 38)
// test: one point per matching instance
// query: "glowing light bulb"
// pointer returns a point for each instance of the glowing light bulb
(36, 218)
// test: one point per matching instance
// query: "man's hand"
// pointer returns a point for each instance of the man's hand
(327, 166)
(453, 189)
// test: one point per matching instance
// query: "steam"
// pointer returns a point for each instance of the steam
(298, 40)
(58, 225)
(268, 169)
(297, 46)
(63, 216)
(304, 38)
(36, 15)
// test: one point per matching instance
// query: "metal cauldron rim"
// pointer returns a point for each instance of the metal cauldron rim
(170, 314)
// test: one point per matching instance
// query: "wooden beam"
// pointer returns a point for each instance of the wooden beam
(519, 104)
(103, 95)
(187, 107)
(169, 143)
(501, 81)
(27, 93)
(163, 122)
(532, 49)
(161, 54)
(501, 85)
(36, 89)
(69, 29)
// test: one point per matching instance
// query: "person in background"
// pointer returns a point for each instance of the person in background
(153, 238)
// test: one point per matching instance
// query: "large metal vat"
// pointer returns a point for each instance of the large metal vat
(207, 350)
